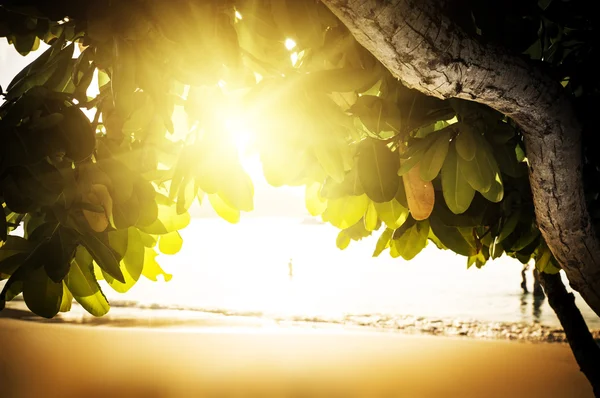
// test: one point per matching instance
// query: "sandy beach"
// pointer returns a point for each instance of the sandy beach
(236, 360)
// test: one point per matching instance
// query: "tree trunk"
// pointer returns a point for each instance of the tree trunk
(524, 278)
(418, 42)
(537, 284)
(583, 345)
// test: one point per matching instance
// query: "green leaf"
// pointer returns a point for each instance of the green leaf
(121, 177)
(496, 192)
(168, 220)
(349, 186)
(3, 228)
(10, 264)
(14, 245)
(508, 227)
(117, 241)
(306, 22)
(392, 213)
(370, 218)
(77, 135)
(401, 196)
(343, 240)
(452, 238)
(42, 295)
(506, 156)
(473, 217)
(433, 158)
(33, 261)
(37, 72)
(496, 249)
(411, 241)
(61, 249)
(383, 242)
(123, 82)
(126, 214)
(458, 194)
(132, 250)
(186, 195)
(61, 75)
(477, 171)
(552, 267)
(377, 170)
(527, 237)
(346, 211)
(82, 283)
(466, 144)
(103, 256)
(543, 260)
(134, 257)
(331, 160)
(407, 164)
(479, 259)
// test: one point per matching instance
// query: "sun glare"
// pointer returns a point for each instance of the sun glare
(294, 58)
(290, 44)
(237, 126)
(240, 133)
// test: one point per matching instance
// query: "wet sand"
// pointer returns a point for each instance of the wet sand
(237, 360)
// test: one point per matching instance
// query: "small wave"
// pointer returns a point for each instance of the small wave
(135, 314)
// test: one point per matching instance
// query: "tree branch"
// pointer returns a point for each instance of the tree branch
(583, 345)
(422, 47)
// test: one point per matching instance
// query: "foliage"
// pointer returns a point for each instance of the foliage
(96, 197)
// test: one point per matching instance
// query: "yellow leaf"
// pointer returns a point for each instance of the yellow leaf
(315, 204)
(98, 272)
(167, 214)
(419, 194)
(223, 210)
(170, 243)
(238, 191)
(331, 160)
(117, 286)
(151, 268)
(346, 211)
(371, 217)
(98, 195)
(342, 241)
(67, 299)
(392, 213)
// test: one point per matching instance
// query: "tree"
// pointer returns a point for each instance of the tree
(425, 134)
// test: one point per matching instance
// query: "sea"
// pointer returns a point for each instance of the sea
(242, 271)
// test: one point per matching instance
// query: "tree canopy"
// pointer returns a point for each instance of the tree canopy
(99, 197)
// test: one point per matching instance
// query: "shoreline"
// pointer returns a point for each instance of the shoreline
(63, 360)
(176, 318)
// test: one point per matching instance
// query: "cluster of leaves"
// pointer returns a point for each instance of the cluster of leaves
(562, 36)
(96, 196)
(86, 196)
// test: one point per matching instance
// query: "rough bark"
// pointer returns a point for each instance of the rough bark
(583, 345)
(422, 47)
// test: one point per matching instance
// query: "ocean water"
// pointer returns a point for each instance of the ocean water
(243, 270)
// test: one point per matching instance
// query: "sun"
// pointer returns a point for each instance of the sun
(243, 138)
